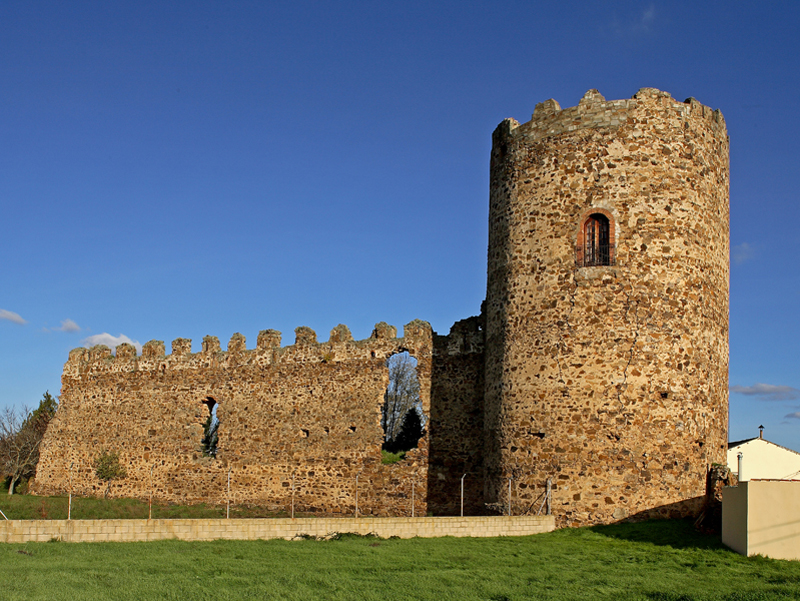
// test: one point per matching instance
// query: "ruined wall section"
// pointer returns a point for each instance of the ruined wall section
(307, 413)
(611, 380)
(456, 435)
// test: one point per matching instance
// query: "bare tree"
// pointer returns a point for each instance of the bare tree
(402, 395)
(19, 446)
(21, 433)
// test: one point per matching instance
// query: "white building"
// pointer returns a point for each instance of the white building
(763, 460)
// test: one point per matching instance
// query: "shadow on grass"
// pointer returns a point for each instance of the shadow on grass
(735, 596)
(678, 534)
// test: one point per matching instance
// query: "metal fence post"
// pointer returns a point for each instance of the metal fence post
(549, 493)
(69, 505)
(228, 506)
(413, 498)
(293, 474)
(150, 503)
(357, 475)
(462, 494)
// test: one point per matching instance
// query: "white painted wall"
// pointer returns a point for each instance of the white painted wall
(762, 518)
(765, 460)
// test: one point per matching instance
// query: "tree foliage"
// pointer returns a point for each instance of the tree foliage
(107, 468)
(45, 411)
(402, 418)
(410, 432)
(21, 434)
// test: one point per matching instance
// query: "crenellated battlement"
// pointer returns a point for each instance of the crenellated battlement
(594, 112)
(418, 338)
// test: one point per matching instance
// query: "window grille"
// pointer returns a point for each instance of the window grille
(596, 247)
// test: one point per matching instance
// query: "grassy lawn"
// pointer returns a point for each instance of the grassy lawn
(28, 507)
(661, 561)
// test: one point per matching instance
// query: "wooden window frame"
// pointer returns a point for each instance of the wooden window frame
(607, 255)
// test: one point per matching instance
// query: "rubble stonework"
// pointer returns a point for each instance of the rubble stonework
(302, 418)
(609, 380)
(612, 380)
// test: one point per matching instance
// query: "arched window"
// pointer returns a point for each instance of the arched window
(210, 429)
(596, 242)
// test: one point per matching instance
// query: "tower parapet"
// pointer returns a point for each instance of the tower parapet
(594, 111)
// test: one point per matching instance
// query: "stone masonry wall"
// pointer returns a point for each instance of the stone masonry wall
(456, 441)
(306, 414)
(611, 380)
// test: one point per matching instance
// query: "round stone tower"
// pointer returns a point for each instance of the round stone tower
(607, 307)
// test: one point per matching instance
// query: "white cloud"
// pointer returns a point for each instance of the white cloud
(768, 392)
(110, 341)
(11, 316)
(648, 17)
(742, 252)
(68, 325)
(637, 25)
(795, 415)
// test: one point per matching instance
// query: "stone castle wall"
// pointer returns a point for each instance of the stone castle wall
(307, 414)
(456, 441)
(611, 380)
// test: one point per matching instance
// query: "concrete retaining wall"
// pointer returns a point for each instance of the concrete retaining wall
(20, 531)
(762, 517)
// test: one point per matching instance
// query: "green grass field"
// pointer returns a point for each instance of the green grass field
(656, 561)
(28, 507)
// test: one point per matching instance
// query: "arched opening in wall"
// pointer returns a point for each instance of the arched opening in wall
(402, 418)
(596, 242)
(210, 429)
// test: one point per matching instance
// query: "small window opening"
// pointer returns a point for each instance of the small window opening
(595, 244)
(210, 429)
(402, 418)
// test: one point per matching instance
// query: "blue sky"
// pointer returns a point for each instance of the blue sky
(190, 168)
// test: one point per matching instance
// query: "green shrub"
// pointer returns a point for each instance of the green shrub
(388, 458)
(107, 468)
